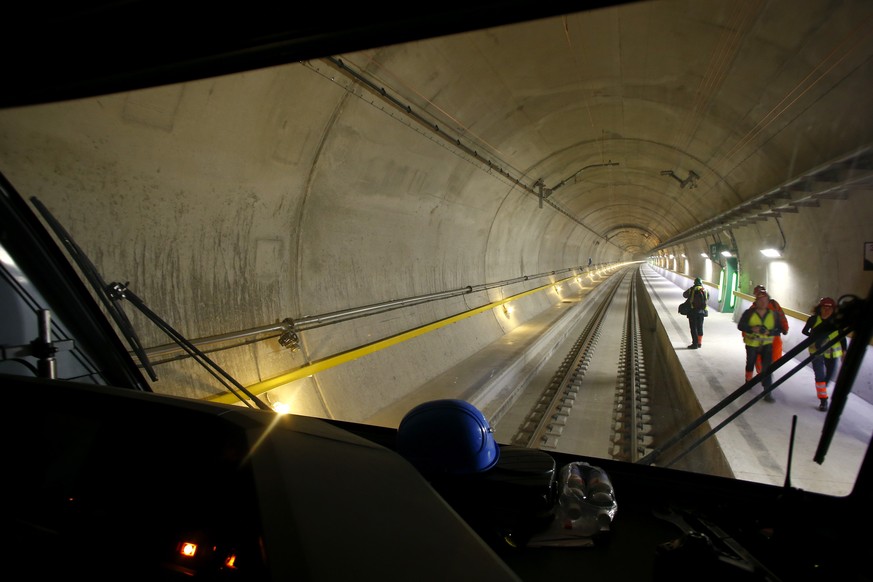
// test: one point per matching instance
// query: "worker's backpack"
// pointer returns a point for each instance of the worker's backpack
(783, 321)
(698, 299)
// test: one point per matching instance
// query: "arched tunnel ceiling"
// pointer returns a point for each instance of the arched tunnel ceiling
(643, 120)
(639, 120)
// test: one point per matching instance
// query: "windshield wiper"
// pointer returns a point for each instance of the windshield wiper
(100, 288)
(119, 291)
(842, 329)
(110, 293)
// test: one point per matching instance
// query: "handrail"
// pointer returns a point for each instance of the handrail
(287, 328)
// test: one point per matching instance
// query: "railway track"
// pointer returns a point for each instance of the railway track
(560, 409)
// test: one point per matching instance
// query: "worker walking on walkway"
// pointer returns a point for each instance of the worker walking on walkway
(825, 361)
(698, 297)
(760, 324)
(783, 326)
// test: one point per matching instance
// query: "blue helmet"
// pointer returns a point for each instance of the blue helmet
(447, 437)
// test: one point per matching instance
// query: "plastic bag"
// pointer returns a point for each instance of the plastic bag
(586, 507)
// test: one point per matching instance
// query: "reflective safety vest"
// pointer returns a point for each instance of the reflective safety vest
(835, 351)
(754, 339)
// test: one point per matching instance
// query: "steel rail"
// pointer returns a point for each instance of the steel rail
(546, 422)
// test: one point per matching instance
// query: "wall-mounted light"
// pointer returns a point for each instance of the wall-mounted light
(278, 406)
(726, 253)
(771, 253)
(671, 257)
(704, 255)
(507, 310)
(683, 256)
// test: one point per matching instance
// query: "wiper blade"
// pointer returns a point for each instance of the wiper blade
(853, 312)
(119, 291)
(820, 332)
(100, 288)
(109, 294)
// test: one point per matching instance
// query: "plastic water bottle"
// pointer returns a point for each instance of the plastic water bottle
(600, 489)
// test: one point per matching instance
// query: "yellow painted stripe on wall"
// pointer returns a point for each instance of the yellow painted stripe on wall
(321, 365)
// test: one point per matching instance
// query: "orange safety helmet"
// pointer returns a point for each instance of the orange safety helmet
(827, 302)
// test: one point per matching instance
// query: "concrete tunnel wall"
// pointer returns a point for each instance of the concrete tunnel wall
(316, 203)
(225, 218)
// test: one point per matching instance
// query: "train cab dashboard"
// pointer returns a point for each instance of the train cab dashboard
(112, 483)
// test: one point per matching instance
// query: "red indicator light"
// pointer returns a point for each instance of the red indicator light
(188, 549)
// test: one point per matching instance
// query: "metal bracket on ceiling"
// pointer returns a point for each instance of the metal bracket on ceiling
(690, 181)
(542, 191)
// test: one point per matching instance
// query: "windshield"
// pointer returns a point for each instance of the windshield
(347, 236)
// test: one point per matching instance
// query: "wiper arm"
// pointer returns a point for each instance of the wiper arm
(818, 333)
(859, 314)
(119, 291)
(776, 383)
(111, 293)
(93, 276)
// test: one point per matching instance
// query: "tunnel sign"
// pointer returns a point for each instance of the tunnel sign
(715, 250)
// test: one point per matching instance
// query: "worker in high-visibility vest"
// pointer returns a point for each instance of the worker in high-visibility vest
(825, 361)
(760, 324)
(698, 298)
(783, 326)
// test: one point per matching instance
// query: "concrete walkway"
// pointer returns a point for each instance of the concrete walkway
(756, 442)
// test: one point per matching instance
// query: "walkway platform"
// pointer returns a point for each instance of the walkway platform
(756, 443)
